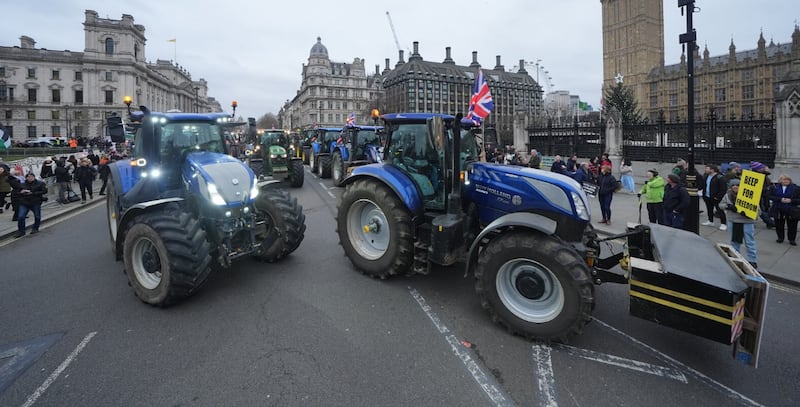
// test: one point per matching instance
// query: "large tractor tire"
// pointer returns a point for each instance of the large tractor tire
(314, 162)
(339, 171)
(167, 256)
(535, 286)
(113, 212)
(306, 154)
(296, 173)
(325, 166)
(375, 229)
(283, 224)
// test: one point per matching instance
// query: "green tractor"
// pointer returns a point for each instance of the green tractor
(271, 158)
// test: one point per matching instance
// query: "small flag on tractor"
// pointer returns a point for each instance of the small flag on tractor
(481, 103)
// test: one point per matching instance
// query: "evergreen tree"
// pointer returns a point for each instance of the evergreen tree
(621, 98)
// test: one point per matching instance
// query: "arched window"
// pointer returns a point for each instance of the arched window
(109, 46)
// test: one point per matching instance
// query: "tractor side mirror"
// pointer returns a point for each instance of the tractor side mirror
(115, 129)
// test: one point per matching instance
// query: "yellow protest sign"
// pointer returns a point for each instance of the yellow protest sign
(749, 195)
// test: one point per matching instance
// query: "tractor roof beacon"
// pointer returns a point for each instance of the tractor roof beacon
(181, 203)
(526, 236)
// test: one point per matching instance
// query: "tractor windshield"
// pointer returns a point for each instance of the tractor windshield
(274, 138)
(178, 138)
(368, 137)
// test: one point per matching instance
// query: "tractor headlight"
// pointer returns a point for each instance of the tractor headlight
(273, 156)
(214, 195)
(580, 207)
(283, 155)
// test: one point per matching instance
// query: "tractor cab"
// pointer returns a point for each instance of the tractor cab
(416, 146)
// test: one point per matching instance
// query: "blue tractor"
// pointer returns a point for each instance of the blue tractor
(357, 145)
(323, 141)
(180, 204)
(526, 236)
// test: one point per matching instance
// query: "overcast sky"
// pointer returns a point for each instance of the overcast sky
(253, 51)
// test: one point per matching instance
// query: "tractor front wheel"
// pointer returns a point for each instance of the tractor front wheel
(535, 286)
(375, 229)
(281, 224)
(306, 154)
(339, 170)
(325, 166)
(296, 173)
(313, 162)
(167, 256)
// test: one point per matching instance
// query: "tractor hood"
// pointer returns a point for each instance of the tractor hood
(221, 179)
(520, 189)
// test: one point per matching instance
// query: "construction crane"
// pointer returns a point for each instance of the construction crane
(394, 33)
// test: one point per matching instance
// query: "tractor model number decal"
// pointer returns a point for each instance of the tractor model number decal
(501, 196)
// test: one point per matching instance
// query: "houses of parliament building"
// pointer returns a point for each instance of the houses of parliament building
(735, 85)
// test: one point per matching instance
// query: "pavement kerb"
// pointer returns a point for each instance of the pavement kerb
(50, 217)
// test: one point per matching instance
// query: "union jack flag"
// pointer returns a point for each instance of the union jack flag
(481, 103)
(351, 119)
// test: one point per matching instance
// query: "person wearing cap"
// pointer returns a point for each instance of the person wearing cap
(765, 203)
(676, 201)
(742, 228)
(30, 193)
(653, 191)
(680, 169)
(734, 171)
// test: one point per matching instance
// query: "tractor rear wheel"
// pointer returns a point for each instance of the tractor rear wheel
(325, 166)
(296, 173)
(339, 170)
(167, 256)
(281, 224)
(375, 229)
(313, 162)
(535, 286)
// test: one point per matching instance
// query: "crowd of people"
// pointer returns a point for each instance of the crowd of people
(23, 194)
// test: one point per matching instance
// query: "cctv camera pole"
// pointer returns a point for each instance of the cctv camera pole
(692, 221)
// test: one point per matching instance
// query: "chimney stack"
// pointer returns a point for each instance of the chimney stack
(522, 67)
(447, 58)
(474, 63)
(498, 66)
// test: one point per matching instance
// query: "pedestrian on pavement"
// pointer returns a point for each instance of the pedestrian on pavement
(714, 188)
(676, 201)
(15, 178)
(558, 166)
(594, 168)
(582, 174)
(572, 164)
(105, 172)
(30, 192)
(734, 171)
(785, 198)
(63, 181)
(46, 174)
(5, 186)
(680, 169)
(606, 186)
(741, 226)
(536, 160)
(626, 176)
(85, 176)
(604, 160)
(653, 191)
(765, 203)
(73, 163)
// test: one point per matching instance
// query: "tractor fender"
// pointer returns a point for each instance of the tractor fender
(401, 184)
(262, 184)
(134, 211)
(525, 220)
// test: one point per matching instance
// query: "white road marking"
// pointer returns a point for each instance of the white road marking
(631, 364)
(486, 382)
(331, 194)
(63, 366)
(545, 379)
(725, 390)
(785, 288)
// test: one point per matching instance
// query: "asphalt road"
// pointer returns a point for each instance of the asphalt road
(311, 331)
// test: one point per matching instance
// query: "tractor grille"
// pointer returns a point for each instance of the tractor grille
(231, 179)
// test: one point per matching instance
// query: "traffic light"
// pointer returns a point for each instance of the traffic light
(115, 129)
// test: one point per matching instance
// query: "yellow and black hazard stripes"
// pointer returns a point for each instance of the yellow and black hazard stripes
(691, 313)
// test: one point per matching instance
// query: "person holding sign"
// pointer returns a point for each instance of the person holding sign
(742, 227)
(785, 198)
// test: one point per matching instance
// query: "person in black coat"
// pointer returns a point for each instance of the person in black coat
(84, 174)
(558, 166)
(713, 189)
(63, 180)
(784, 196)
(30, 193)
(105, 172)
(606, 186)
(676, 201)
(582, 174)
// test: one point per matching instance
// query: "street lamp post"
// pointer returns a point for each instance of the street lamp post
(234, 104)
(692, 222)
(66, 113)
(196, 100)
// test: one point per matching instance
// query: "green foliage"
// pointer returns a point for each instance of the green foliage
(621, 98)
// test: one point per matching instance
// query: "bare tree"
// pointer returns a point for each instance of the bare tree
(268, 121)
